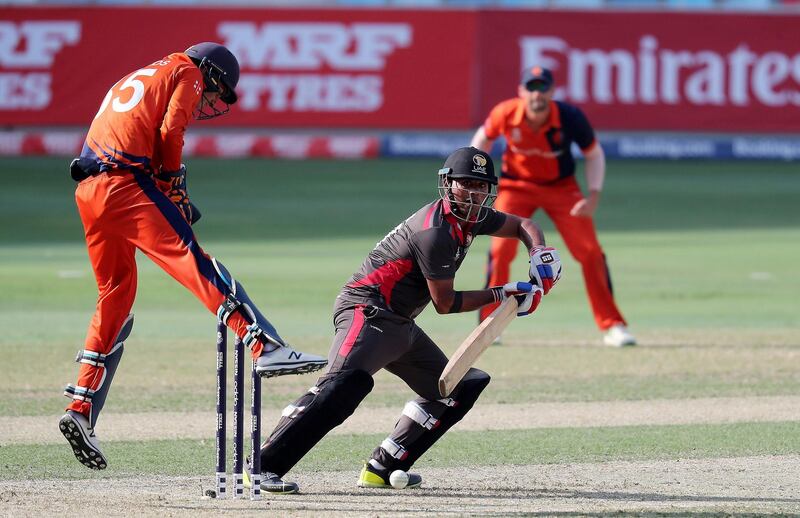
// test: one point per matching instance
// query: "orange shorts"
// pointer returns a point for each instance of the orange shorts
(523, 199)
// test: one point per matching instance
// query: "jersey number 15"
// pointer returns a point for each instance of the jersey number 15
(138, 92)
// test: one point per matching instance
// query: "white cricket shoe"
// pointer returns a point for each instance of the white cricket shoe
(85, 446)
(618, 336)
(285, 360)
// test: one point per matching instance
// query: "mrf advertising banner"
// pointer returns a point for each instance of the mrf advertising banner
(418, 69)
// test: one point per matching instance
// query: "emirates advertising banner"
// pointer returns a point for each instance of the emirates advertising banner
(418, 69)
(654, 71)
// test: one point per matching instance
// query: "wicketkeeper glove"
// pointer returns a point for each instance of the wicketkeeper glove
(173, 184)
(545, 268)
(528, 296)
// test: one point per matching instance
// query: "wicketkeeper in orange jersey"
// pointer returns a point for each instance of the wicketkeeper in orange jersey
(132, 195)
(539, 172)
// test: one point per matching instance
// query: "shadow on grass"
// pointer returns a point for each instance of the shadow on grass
(497, 501)
(520, 493)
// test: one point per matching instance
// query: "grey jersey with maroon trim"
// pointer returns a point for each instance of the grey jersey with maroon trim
(430, 244)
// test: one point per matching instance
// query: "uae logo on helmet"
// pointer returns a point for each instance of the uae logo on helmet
(480, 164)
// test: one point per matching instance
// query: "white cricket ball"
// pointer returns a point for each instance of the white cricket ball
(398, 479)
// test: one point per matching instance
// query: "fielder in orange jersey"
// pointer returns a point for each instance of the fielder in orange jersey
(539, 172)
(132, 195)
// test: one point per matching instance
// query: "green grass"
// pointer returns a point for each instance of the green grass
(713, 284)
(486, 448)
(335, 199)
(703, 255)
(184, 381)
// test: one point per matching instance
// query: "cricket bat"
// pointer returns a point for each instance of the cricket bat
(473, 346)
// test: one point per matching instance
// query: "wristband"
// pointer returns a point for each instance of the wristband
(458, 299)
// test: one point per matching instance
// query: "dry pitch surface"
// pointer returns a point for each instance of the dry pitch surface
(724, 486)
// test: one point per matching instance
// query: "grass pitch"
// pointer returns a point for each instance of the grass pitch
(703, 258)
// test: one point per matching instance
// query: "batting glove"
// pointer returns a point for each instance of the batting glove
(528, 296)
(545, 268)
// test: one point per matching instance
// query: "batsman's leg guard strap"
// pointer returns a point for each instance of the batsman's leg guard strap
(393, 449)
(448, 401)
(418, 414)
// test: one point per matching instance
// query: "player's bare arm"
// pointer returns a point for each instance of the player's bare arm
(481, 141)
(545, 263)
(446, 299)
(595, 163)
(525, 230)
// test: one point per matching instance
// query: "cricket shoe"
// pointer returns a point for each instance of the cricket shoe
(379, 478)
(285, 360)
(85, 446)
(270, 482)
(618, 336)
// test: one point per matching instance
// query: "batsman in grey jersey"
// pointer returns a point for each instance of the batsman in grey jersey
(414, 264)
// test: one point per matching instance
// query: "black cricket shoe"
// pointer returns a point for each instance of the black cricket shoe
(270, 482)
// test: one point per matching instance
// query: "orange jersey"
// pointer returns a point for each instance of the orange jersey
(143, 117)
(540, 156)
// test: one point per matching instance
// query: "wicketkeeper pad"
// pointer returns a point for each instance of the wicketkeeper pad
(107, 364)
(238, 300)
